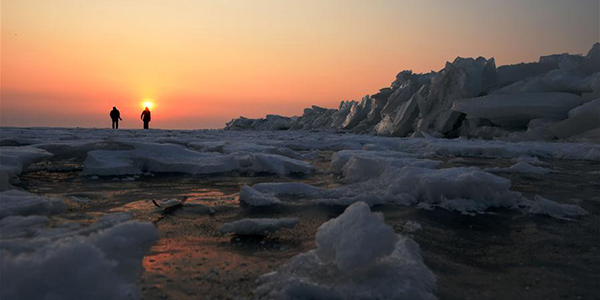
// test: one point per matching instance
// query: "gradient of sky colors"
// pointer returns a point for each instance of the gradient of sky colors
(204, 62)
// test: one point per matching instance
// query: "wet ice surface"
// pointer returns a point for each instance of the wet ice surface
(499, 254)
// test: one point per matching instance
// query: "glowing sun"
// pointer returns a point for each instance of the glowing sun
(147, 103)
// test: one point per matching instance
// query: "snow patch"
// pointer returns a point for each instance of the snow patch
(21, 203)
(13, 160)
(522, 167)
(101, 262)
(543, 206)
(358, 257)
(252, 197)
(156, 158)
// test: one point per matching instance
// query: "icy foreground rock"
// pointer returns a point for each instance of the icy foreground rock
(151, 157)
(15, 159)
(252, 197)
(358, 256)
(257, 226)
(102, 261)
(469, 98)
(20, 203)
(522, 167)
(550, 208)
(516, 110)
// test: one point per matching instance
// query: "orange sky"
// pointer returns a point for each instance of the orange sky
(67, 62)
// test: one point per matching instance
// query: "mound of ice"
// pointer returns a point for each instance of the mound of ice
(493, 149)
(522, 167)
(243, 147)
(340, 159)
(548, 207)
(156, 158)
(21, 203)
(288, 188)
(257, 226)
(358, 257)
(341, 240)
(13, 160)
(420, 105)
(434, 187)
(360, 168)
(581, 119)
(467, 190)
(516, 110)
(103, 262)
(277, 164)
(252, 197)
(19, 227)
(532, 160)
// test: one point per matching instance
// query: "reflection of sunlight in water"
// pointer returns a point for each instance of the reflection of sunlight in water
(211, 197)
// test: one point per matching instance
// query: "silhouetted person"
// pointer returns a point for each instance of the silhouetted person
(146, 117)
(115, 115)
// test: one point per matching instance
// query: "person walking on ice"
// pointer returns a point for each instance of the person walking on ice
(115, 115)
(146, 117)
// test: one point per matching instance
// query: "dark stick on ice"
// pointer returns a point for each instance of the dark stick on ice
(172, 207)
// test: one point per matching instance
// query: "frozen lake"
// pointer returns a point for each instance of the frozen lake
(492, 220)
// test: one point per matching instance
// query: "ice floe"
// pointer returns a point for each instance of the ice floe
(522, 167)
(102, 261)
(253, 197)
(543, 206)
(358, 256)
(21, 203)
(15, 159)
(156, 158)
(170, 158)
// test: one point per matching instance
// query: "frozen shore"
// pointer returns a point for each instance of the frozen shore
(271, 191)
(557, 97)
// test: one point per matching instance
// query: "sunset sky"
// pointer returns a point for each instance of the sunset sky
(203, 62)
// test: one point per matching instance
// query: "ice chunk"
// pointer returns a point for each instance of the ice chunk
(438, 186)
(372, 199)
(463, 78)
(13, 160)
(358, 112)
(341, 158)
(156, 158)
(532, 160)
(581, 119)
(257, 226)
(19, 226)
(406, 115)
(516, 110)
(358, 257)
(103, 265)
(360, 168)
(21, 203)
(564, 80)
(342, 240)
(411, 226)
(288, 188)
(278, 164)
(413, 186)
(271, 122)
(513, 73)
(522, 167)
(253, 197)
(548, 207)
